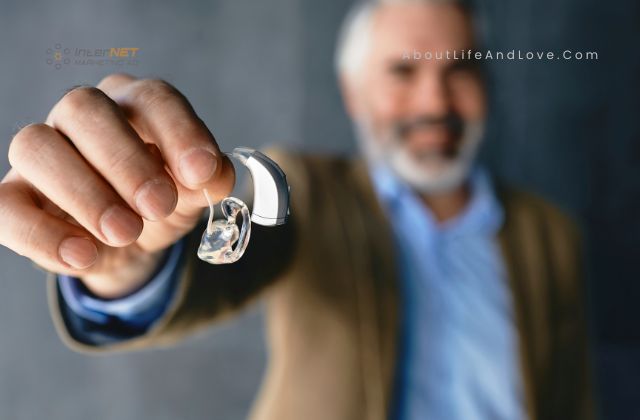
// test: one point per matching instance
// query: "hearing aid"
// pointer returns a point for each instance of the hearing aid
(270, 208)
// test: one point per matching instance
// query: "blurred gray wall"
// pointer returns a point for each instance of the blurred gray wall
(261, 73)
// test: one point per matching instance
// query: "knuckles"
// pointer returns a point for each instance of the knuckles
(143, 95)
(85, 103)
(28, 141)
(80, 100)
(150, 93)
(115, 78)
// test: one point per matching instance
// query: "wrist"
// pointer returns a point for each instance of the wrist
(124, 276)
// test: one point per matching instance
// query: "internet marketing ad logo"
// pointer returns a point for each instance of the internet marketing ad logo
(60, 56)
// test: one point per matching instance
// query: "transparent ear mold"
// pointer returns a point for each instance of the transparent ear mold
(270, 208)
(216, 246)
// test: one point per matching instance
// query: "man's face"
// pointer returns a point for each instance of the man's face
(422, 117)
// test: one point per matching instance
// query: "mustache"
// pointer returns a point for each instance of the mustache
(452, 122)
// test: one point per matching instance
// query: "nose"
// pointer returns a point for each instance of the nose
(430, 96)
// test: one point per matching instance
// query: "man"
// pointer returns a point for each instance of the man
(406, 285)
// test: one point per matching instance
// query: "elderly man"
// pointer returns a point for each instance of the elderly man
(406, 285)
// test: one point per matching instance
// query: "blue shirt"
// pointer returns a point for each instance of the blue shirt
(138, 310)
(459, 350)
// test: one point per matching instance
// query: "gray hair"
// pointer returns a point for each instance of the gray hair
(354, 39)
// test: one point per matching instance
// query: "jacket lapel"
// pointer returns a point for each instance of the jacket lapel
(377, 292)
(524, 265)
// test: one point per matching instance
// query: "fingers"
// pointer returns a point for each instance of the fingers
(99, 130)
(163, 116)
(44, 158)
(52, 243)
(83, 182)
(115, 81)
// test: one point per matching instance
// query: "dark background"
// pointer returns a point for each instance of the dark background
(261, 73)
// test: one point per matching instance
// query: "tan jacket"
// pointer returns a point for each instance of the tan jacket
(330, 281)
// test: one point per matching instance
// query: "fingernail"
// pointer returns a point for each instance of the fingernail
(197, 166)
(78, 252)
(156, 199)
(120, 226)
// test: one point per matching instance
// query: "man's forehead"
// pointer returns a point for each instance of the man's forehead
(425, 27)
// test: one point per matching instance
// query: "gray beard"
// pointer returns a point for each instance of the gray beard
(430, 173)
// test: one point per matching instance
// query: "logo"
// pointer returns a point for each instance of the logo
(60, 56)
(54, 56)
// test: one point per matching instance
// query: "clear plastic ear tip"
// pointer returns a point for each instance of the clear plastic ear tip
(218, 240)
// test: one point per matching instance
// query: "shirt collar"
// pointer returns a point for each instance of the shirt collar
(483, 214)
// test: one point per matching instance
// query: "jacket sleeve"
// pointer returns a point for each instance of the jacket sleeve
(204, 293)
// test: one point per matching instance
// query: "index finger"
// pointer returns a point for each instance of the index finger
(163, 116)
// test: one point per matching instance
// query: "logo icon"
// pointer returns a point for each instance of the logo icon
(58, 56)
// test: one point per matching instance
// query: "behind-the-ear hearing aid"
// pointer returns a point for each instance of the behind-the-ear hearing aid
(270, 208)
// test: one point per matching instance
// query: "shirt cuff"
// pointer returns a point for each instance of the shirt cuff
(138, 309)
